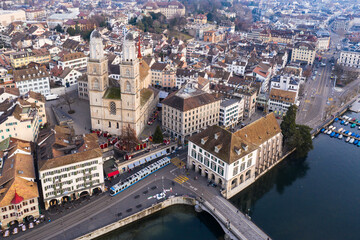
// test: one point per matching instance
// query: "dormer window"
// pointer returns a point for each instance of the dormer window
(245, 147)
(216, 136)
(203, 140)
(237, 150)
(217, 148)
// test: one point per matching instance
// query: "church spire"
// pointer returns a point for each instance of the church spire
(139, 49)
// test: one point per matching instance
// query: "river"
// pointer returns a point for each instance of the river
(313, 198)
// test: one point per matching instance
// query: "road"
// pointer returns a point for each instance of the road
(105, 210)
(317, 94)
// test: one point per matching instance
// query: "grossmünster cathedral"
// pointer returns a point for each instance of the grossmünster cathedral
(128, 102)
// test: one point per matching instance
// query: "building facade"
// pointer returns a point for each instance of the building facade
(303, 52)
(350, 59)
(69, 177)
(189, 110)
(130, 103)
(20, 120)
(235, 160)
(34, 79)
(19, 195)
(231, 112)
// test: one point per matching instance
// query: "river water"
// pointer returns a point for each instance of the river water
(313, 198)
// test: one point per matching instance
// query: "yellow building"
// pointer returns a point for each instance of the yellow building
(20, 59)
(168, 9)
(303, 52)
(19, 192)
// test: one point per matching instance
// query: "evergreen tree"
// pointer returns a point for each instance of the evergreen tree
(59, 29)
(296, 136)
(288, 125)
(158, 136)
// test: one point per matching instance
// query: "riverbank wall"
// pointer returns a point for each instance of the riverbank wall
(139, 215)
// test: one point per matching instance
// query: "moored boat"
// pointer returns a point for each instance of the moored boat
(347, 139)
(341, 136)
(352, 140)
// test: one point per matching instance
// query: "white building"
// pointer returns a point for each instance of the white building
(7, 16)
(350, 58)
(64, 77)
(68, 177)
(34, 79)
(236, 67)
(234, 160)
(76, 60)
(231, 111)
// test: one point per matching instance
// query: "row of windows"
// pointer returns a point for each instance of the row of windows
(19, 214)
(66, 169)
(17, 207)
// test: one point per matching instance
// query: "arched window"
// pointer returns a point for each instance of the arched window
(127, 86)
(113, 108)
(127, 72)
(96, 84)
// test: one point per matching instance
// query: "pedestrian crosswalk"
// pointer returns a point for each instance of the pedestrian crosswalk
(181, 179)
(177, 162)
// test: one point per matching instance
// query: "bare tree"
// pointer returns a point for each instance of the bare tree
(128, 138)
(67, 99)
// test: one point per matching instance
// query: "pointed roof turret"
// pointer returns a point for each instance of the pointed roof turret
(139, 49)
(17, 199)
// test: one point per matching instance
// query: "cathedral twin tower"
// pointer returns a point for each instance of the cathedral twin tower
(114, 108)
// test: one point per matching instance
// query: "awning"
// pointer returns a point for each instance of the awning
(163, 152)
(113, 173)
(137, 163)
(153, 156)
(147, 159)
(131, 165)
(142, 161)
(158, 154)
(206, 171)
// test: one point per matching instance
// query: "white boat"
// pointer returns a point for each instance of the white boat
(329, 132)
(331, 127)
(340, 136)
(346, 123)
(347, 139)
(349, 133)
(341, 129)
(326, 131)
(334, 128)
(359, 127)
(352, 140)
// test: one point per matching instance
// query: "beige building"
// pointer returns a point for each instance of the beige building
(19, 192)
(235, 160)
(189, 110)
(303, 52)
(7, 16)
(168, 9)
(130, 102)
(20, 119)
(65, 177)
(39, 100)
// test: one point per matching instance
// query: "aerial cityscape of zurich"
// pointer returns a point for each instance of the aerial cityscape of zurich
(180, 119)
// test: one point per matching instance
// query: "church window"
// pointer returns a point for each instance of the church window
(113, 108)
(109, 124)
(96, 84)
(94, 69)
(117, 125)
(98, 121)
(127, 72)
(128, 86)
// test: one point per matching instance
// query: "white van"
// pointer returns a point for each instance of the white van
(51, 97)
